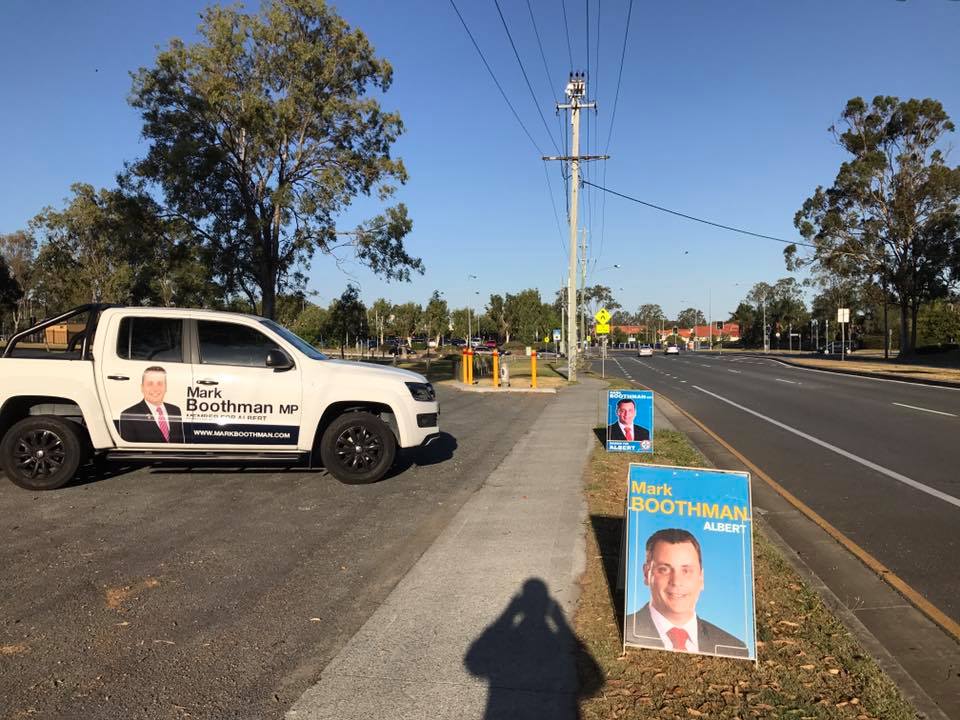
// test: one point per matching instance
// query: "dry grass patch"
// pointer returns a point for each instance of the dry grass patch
(809, 666)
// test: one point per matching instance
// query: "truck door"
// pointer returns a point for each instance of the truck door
(145, 376)
(237, 400)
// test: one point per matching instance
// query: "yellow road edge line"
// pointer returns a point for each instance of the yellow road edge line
(886, 574)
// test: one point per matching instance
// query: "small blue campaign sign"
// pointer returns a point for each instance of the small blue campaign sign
(630, 421)
(689, 563)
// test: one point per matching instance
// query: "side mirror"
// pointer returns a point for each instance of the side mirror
(278, 360)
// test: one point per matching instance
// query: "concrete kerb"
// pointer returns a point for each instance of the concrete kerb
(453, 639)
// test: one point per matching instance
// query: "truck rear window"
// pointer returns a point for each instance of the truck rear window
(150, 338)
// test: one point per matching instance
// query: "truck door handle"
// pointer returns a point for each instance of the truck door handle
(117, 377)
(207, 382)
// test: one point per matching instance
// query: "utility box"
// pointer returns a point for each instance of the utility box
(504, 375)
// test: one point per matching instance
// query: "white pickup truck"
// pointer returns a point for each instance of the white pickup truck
(181, 385)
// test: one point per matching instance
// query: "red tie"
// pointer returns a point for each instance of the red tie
(162, 422)
(678, 636)
(628, 433)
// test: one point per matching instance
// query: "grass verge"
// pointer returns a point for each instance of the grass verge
(809, 666)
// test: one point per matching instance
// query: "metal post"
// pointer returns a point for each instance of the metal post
(766, 337)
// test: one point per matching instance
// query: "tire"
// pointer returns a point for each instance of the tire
(357, 448)
(42, 452)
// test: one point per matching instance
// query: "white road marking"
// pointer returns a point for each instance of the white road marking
(840, 451)
(792, 382)
(914, 407)
(734, 371)
(704, 365)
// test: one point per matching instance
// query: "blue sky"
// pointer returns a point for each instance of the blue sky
(723, 113)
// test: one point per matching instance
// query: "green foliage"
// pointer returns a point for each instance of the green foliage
(347, 317)
(407, 319)
(784, 307)
(496, 311)
(527, 316)
(939, 322)
(312, 324)
(690, 317)
(891, 216)
(19, 251)
(10, 291)
(379, 314)
(92, 251)
(436, 316)
(462, 322)
(265, 130)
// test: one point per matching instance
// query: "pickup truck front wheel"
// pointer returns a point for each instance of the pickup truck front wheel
(358, 447)
(42, 452)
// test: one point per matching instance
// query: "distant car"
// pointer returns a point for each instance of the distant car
(671, 350)
(491, 344)
(645, 351)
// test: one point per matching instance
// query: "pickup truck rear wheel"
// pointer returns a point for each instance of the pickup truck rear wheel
(358, 447)
(42, 452)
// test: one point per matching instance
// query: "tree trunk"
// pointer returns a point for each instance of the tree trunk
(914, 308)
(905, 347)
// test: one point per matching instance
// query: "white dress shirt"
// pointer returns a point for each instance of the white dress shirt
(663, 625)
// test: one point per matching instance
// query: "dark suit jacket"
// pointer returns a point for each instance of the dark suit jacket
(138, 425)
(710, 639)
(615, 433)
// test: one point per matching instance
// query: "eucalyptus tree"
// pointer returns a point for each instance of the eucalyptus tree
(262, 132)
(891, 215)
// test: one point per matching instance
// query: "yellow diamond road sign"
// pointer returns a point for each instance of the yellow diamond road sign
(602, 316)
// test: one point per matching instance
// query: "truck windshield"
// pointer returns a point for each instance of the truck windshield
(301, 344)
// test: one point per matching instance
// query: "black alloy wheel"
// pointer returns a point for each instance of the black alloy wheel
(42, 452)
(358, 447)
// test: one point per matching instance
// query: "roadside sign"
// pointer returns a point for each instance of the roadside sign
(556, 334)
(699, 519)
(602, 316)
(630, 421)
(603, 329)
(843, 315)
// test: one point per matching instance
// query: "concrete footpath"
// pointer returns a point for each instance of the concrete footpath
(481, 625)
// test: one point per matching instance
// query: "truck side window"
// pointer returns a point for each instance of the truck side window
(150, 338)
(232, 344)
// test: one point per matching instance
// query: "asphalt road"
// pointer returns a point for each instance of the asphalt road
(213, 593)
(878, 460)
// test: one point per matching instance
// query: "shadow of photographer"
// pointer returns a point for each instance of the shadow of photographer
(536, 667)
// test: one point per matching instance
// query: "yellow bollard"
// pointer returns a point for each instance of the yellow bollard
(469, 366)
(533, 368)
(496, 369)
(463, 366)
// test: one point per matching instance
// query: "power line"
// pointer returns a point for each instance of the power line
(700, 220)
(563, 242)
(523, 70)
(563, 4)
(494, 77)
(543, 56)
(623, 54)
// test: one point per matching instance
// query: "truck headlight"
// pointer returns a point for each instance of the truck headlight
(422, 391)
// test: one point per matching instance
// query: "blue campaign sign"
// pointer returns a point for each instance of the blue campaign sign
(630, 421)
(689, 564)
